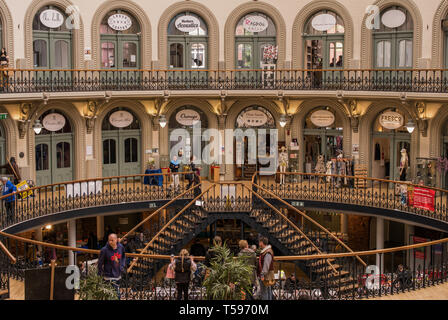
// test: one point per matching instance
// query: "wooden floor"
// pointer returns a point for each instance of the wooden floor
(439, 292)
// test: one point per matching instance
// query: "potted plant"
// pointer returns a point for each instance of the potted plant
(229, 276)
(93, 287)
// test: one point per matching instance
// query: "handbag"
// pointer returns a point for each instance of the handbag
(269, 279)
(169, 273)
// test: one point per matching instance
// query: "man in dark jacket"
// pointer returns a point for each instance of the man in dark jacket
(197, 249)
(217, 241)
(111, 262)
(265, 269)
(10, 202)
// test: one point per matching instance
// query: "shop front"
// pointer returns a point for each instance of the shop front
(323, 138)
(186, 127)
(121, 143)
(54, 149)
(255, 144)
(391, 146)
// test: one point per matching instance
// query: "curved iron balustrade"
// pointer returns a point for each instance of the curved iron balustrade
(397, 80)
(360, 285)
(225, 197)
(353, 190)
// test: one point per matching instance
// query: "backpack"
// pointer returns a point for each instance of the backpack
(178, 266)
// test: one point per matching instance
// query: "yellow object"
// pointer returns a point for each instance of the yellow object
(23, 186)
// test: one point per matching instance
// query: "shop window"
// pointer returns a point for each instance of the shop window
(130, 150)
(40, 53)
(177, 55)
(63, 155)
(109, 151)
(42, 159)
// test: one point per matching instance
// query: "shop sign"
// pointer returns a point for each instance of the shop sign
(254, 118)
(393, 18)
(322, 118)
(188, 117)
(422, 198)
(391, 120)
(323, 22)
(255, 23)
(187, 24)
(54, 122)
(51, 18)
(119, 22)
(121, 119)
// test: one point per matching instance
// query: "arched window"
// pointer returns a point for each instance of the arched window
(121, 135)
(187, 42)
(445, 32)
(324, 41)
(393, 40)
(255, 41)
(120, 36)
(54, 149)
(389, 138)
(52, 40)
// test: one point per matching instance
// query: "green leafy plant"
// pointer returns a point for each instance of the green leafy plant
(93, 287)
(229, 276)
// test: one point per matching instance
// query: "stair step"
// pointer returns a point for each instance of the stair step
(3, 292)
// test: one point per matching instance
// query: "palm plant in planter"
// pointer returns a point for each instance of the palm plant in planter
(229, 276)
(93, 287)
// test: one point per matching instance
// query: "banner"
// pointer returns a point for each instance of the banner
(23, 186)
(422, 198)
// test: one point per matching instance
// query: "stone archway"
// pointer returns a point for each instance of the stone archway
(78, 34)
(204, 13)
(438, 35)
(235, 16)
(303, 16)
(366, 35)
(8, 31)
(146, 130)
(138, 13)
(298, 123)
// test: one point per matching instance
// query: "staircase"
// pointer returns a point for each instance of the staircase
(170, 240)
(297, 244)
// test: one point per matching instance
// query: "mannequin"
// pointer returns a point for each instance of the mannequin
(329, 170)
(283, 163)
(320, 166)
(404, 164)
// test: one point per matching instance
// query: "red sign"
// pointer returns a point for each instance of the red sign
(422, 198)
(420, 252)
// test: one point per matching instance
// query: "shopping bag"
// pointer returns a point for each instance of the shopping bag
(23, 186)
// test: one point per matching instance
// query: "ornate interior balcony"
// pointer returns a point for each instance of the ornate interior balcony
(383, 80)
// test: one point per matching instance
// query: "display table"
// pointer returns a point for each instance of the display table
(153, 180)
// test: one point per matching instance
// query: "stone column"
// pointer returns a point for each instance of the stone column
(380, 241)
(71, 227)
(344, 224)
(100, 227)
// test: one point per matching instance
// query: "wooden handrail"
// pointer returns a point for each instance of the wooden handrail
(282, 258)
(231, 70)
(94, 180)
(158, 210)
(169, 222)
(293, 225)
(9, 254)
(303, 214)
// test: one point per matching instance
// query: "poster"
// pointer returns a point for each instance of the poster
(422, 198)
(23, 186)
(83, 188)
(420, 252)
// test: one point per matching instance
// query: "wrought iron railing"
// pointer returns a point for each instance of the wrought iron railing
(74, 195)
(424, 265)
(360, 191)
(398, 80)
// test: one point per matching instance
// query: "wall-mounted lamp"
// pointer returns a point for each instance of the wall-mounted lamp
(37, 127)
(162, 121)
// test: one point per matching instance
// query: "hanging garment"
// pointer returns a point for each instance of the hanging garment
(377, 151)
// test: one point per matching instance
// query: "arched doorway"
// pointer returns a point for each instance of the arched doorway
(324, 41)
(254, 33)
(2, 145)
(121, 143)
(256, 118)
(54, 149)
(445, 32)
(393, 40)
(389, 138)
(52, 40)
(185, 140)
(120, 35)
(323, 135)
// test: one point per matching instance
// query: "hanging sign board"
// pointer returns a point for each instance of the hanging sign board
(253, 118)
(391, 120)
(323, 22)
(119, 22)
(54, 122)
(322, 118)
(393, 18)
(187, 24)
(255, 23)
(188, 117)
(51, 18)
(121, 119)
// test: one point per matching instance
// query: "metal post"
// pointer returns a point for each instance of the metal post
(71, 226)
(379, 240)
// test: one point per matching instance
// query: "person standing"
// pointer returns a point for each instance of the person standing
(111, 262)
(266, 269)
(183, 266)
(197, 249)
(251, 259)
(217, 242)
(13, 169)
(174, 167)
(10, 202)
